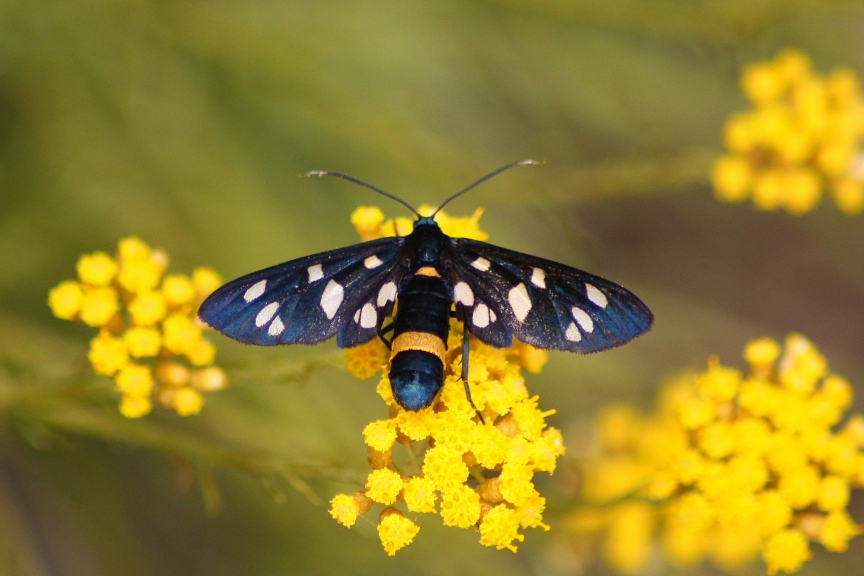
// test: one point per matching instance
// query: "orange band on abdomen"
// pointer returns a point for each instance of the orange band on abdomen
(422, 341)
(428, 271)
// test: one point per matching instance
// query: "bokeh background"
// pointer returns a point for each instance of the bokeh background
(187, 123)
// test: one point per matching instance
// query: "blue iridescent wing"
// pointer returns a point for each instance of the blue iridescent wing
(345, 293)
(505, 294)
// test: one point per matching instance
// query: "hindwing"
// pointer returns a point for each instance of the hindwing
(345, 293)
(502, 294)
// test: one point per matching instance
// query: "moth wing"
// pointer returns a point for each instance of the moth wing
(541, 302)
(345, 292)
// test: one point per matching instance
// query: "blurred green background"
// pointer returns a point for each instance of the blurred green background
(187, 123)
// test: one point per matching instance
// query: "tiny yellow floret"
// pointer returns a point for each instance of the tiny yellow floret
(66, 300)
(135, 406)
(135, 380)
(787, 551)
(148, 308)
(419, 495)
(395, 531)
(500, 528)
(460, 507)
(346, 508)
(107, 354)
(97, 269)
(380, 435)
(99, 306)
(383, 486)
(206, 281)
(178, 290)
(142, 341)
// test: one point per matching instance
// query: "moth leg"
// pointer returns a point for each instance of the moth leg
(465, 349)
(384, 331)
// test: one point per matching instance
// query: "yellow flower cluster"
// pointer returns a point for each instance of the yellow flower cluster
(802, 136)
(729, 466)
(142, 315)
(471, 473)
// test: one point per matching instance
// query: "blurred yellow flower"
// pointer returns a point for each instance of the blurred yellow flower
(481, 472)
(730, 465)
(143, 316)
(803, 136)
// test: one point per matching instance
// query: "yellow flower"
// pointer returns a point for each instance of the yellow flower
(186, 401)
(209, 379)
(99, 306)
(346, 508)
(836, 531)
(66, 299)
(206, 281)
(107, 354)
(142, 342)
(135, 406)
(460, 507)
(366, 360)
(201, 352)
(787, 551)
(500, 528)
(420, 495)
(395, 530)
(380, 435)
(367, 220)
(147, 308)
(801, 138)
(383, 486)
(732, 178)
(135, 380)
(449, 446)
(178, 290)
(761, 463)
(125, 299)
(97, 269)
(180, 333)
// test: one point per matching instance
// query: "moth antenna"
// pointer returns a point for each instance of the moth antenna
(361, 183)
(487, 177)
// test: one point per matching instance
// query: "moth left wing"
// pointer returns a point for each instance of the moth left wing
(502, 294)
(346, 292)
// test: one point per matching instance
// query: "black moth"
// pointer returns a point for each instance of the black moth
(498, 294)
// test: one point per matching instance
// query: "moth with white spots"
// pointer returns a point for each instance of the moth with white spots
(497, 293)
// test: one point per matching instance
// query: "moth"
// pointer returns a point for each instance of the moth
(497, 294)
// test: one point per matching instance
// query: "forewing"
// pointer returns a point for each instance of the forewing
(540, 302)
(347, 292)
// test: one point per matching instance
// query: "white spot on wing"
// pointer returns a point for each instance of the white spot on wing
(584, 320)
(387, 293)
(331, 299)
(315, 273)
(463, 294)
(538, 278)
(255, 291)
(480, 318)
(357, 316)
(492, 316)
(372, 262)
(368, 316)
(266, 314)
(596, 296)
(572, 333)
(480, 264)
(520, 302)
(276, 327)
